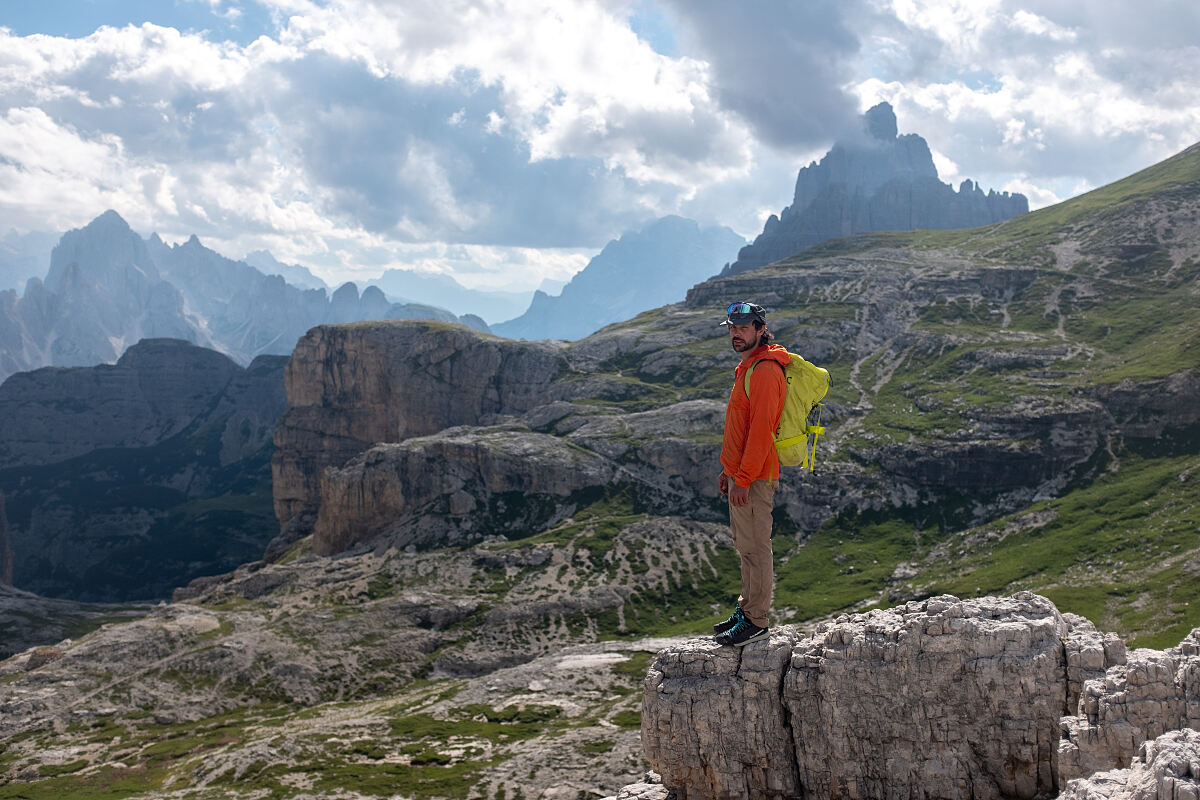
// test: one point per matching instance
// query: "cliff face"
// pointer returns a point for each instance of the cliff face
(6, 556)
(877, 181)
(349, 387)
(124, 481)
(943, 698)
(153, 391)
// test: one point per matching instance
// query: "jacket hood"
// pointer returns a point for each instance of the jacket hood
(776, 352)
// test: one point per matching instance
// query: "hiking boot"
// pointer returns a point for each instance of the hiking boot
(734, 619)
(741, 634)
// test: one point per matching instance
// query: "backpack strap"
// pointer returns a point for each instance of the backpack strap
(750, 371)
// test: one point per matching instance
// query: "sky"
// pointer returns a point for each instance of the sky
(506, 141)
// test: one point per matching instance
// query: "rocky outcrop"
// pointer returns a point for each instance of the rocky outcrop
(1167, 768)
(1150, 694)
(349, 387)
(942, 698)
(153, 392)
(877, 181)
(641, 270)
(460, 485)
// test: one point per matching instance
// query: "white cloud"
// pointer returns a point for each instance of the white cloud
(372, 133)
(1028, 22)
(1038, 196)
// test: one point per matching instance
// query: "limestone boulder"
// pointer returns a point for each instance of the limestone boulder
(1151, 693)
(1166, 768)
(942, 698)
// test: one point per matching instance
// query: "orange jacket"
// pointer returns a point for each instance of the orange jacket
(748, 449)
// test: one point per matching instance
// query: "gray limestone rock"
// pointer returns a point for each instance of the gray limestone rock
(1150, 693)
(1166, 768)
(942, 698)
(419, 492)
(152, 393)
(712, 722)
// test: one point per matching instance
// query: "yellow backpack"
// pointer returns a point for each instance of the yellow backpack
(807, 384)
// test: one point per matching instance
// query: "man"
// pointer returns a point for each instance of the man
(750, 467)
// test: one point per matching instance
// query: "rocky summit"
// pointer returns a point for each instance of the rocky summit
(874, 180)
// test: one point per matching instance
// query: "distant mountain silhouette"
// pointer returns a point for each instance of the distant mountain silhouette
(411, 286)
(875, 181)
(108, 288)
(294, 274)
(641, 270)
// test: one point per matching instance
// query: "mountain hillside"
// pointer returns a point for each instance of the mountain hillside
(639, 271)
(875, 181)
(989, 386)
(482, 541)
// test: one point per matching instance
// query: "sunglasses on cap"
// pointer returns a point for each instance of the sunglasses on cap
(741, 313)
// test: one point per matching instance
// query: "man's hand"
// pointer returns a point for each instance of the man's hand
(739, 495)
(723, 484)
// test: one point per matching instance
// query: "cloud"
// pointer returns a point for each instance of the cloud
(780, 65)
(1045, 94)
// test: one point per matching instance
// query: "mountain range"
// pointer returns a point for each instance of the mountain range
(482, 542)
(106, 288)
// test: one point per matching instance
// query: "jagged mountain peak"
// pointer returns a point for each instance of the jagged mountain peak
(881, 122)
(110, 219)
(873, 180)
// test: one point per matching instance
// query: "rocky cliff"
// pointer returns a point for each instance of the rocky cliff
(875, 181)
(642, 270)
(942, 698)
(124, 481)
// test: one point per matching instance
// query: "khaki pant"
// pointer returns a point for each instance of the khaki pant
(751, 528)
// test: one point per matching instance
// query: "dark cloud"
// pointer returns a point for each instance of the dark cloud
(781, 65)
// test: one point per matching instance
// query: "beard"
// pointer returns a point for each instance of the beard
(743, 345)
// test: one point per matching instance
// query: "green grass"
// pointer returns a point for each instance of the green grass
(1112, 551)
